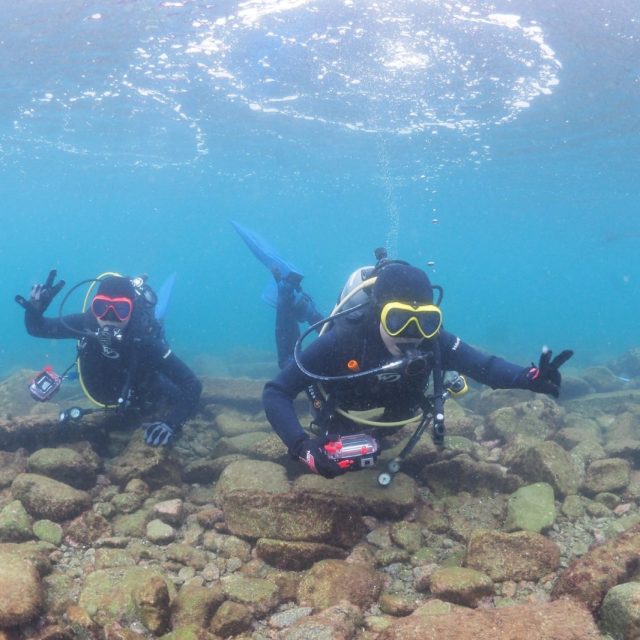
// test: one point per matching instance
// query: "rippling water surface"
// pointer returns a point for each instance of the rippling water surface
(494, 143)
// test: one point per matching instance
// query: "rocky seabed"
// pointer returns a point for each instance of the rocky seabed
(526, 525)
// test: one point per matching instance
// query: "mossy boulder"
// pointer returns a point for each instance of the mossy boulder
(109, 595)
(257, 593)
(531, 508)
(155, 465)
(295, 555)
(15, 523)
(608, 474)
(393, 502)
(195, 605)
(329, 582)
(548, 462)
(46, 498)
(537, 418)
(21, 590)
(461, 585)
(523, 555)
(620, 611)
(48, 531)
(65, 465)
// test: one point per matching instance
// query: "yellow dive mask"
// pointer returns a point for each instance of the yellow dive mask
(400, 319)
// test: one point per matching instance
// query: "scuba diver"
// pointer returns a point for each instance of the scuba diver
(381, 353)
(382, 350)
(123, 361)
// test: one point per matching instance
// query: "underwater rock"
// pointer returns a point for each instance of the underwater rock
(624, 426)
(588, 578)
(462, 473)
(259, 594)
(606, 475)
(195, 605)
(296, 556)
(87, 528)
(65, 465)
(243, 394)
(46, 498)
(257, 445)
(465, 513)
(538, 418)
(620, 611)
(252, 475)
(204, 471)
(15, 523)
(231, 423)
(628, 364)
(602, 379)
(231, 618)
(154, 465)
(392, 502)
(605, 402)
(293, 516)
(329, 582)
(11, 464)
(108, 594)
(574, 387)
(460, 585)
(340, 622)
(48, 531)
(489, 400)
(531, 508)
(258, 503)
(561, 620)
(159, 532)
(21, 591)
(548, 462)
(152, 601)
(523, 555)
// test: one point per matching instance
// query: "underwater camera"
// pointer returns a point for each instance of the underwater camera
(45, 384)
(359, 450)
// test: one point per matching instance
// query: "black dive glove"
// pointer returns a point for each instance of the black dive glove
(158, 434)
(41, 295)
(545, 378)
(311, 452)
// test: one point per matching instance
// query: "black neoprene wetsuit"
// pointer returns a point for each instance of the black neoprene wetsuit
(141, 363)
(397, 391)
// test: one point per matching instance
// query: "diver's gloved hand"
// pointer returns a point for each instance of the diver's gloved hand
(546, 378)
(310, 451)
(41, 294)
(158, 434)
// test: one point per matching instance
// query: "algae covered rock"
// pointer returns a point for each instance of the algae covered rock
(259, 594)
(329, 582)
(46, 498)
(461, 585)
(620, 611)
(562, 620)
(65, 465)
(15, 523)
(394, 501)
(21, 591)
(154, 465)
(295, 555)
(548, 462)
(48, 531)
(538, 418)
(109, 595)
(608, 474)
(523, 555)
(531, 508)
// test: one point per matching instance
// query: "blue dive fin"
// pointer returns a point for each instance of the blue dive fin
(164, 295)
(266, 254)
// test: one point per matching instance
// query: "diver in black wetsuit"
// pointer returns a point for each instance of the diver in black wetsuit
(124, 359)
(399, 323)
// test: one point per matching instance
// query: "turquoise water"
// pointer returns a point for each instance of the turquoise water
(497, 140)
